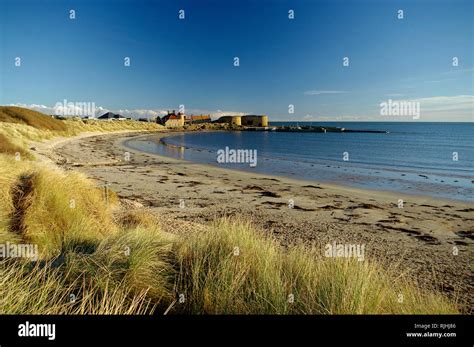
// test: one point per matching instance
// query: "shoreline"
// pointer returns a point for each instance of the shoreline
(420, 236)
(390, 194)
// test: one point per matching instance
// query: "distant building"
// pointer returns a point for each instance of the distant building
(255, 120)
(203, 118)
(56, 116)
(173, 120)
(248, 120)
(236, 120)
(111, 116)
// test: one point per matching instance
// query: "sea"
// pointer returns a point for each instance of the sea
(430, 159)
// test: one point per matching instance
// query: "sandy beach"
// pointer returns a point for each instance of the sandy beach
(431, 240)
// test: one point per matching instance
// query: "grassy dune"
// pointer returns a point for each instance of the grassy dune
(19, 126)
(7, 146)
(264, 278)
(98, 259)
(19, 115)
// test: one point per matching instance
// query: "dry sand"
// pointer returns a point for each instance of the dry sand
(422, 237)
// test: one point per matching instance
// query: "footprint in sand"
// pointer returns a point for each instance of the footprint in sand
(465, 234)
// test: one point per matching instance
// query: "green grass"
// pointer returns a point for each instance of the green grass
(43, 289)
(127, 264)
(265, 279)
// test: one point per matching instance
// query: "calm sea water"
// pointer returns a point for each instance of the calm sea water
(416, 158)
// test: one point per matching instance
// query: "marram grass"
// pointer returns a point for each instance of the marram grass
(234, 269)
(130, 266)
(20, 126)
(45, 289)
(94, 261)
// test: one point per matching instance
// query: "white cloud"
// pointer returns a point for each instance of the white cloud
(446, 103)
(139, 113)
(440, 80)
(339, 118)
(456, 70)
(215, 114)
(457, 108)
(320, 92)
(35, 107)
(133, 113)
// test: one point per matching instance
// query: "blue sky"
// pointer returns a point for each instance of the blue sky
(282, 61)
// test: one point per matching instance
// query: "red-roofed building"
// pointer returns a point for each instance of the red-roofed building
(196, 119)
(173, 120)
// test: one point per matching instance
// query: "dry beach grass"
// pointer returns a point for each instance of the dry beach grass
(117, 256)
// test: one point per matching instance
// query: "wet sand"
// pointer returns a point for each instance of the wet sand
(431, 240)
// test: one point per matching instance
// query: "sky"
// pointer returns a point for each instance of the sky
(285, 64)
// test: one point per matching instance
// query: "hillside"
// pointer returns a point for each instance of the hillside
(12, 114)
(19, 126)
